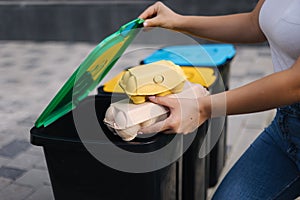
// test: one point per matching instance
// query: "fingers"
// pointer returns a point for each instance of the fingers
(164, 101)
(164, 125)
(151, 22)
(150, 12)
(150, 15)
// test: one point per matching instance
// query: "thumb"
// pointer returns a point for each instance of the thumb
(153, 22)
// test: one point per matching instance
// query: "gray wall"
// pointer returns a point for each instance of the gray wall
(92, 20)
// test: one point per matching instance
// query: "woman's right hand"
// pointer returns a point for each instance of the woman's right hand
(159, 15)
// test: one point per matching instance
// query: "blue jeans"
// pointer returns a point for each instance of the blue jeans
(270, 168)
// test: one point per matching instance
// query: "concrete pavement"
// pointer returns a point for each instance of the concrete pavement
(31, 74)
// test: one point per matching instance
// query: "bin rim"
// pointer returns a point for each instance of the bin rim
(89, 73)
(37, 137)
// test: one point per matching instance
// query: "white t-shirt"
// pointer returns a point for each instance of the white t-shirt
(280, 22)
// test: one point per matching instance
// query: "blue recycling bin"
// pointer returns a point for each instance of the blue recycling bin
(219, 57)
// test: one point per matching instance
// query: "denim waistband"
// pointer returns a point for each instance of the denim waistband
(293, 109)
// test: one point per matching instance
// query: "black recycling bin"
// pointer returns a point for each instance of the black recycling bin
(216, 158)
(194, 173)
(85, 159)
(194, 168)
(217, 56)
(76, 174)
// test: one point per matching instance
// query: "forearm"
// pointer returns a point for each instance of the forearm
(237, 28)
(267, 93)
(278, 89)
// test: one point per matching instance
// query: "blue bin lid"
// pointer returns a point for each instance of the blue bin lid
(194, 55)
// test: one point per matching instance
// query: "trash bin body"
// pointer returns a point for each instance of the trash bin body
(217, 156)
(217, 56)
(194, 173)
(76, 174)
(194, 169)
(71, 127)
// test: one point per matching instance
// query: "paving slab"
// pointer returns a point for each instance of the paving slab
(42, 193)
(15, 192)
(34, 178)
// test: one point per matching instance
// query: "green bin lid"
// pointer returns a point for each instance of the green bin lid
(90, 72)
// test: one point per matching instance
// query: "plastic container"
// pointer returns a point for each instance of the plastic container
(217, 56)
(75, 172)
(194, 169)
(206, 55)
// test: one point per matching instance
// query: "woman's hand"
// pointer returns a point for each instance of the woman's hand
(159, 15)
(185, 114)
(235, 28)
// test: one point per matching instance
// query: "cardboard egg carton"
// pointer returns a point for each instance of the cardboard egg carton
(126, 118)
(158, 78)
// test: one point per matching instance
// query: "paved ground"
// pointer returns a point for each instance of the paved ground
(30, 75)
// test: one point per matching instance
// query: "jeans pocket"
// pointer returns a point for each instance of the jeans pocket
(283, 125)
